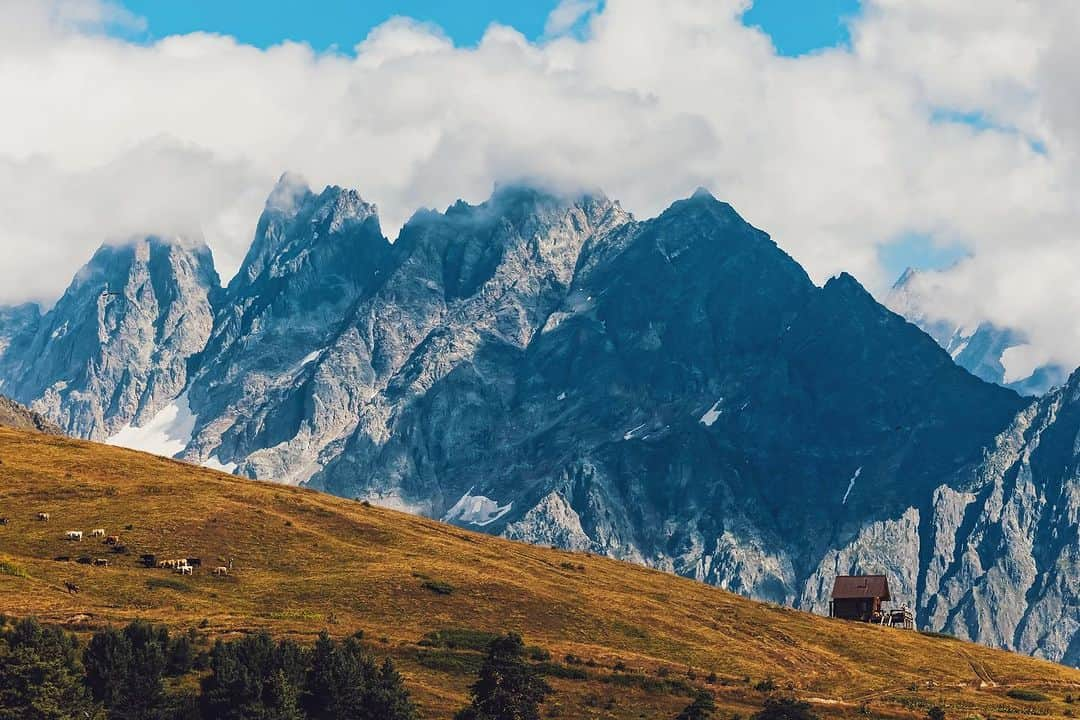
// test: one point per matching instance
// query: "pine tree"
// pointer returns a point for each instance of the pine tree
(507, 687)
(344, 683)
(40, 676)
(254, 679)
(125, 670)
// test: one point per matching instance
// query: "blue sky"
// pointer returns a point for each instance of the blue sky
(796, 26)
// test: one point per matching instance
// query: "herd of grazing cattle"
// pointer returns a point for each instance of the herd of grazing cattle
(181, 566)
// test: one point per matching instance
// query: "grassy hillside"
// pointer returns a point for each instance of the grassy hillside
(640, 640)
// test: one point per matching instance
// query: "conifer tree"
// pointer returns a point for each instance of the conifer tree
(507, 687)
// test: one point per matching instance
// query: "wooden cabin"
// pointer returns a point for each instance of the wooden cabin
(859, 597)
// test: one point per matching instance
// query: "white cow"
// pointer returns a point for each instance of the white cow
(184, 570)
(221, 571)
(99, 532)
(74, 535)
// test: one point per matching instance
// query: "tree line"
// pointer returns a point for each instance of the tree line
(142, 672)
(121, 674)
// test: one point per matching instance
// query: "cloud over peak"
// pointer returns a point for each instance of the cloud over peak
(958, 122)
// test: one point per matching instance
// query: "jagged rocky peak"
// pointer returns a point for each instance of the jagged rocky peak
(314, 256)
(115, 347)
(296, 220)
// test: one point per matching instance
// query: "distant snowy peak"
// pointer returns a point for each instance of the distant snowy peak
(997, 355)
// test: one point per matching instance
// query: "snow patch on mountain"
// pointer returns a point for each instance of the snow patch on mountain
(712, 414)
(851, 485)
(167, 433)
(213, 463)
(476, 510)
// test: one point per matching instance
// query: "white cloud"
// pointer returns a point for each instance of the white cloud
(836, 153)
(567, 14)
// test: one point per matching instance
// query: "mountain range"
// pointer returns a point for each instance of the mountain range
(673, 391)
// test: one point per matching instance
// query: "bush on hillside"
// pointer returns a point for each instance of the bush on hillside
(1027, 695)
(702, 708)
(785, 709)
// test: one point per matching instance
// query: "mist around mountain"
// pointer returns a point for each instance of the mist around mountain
(672, 391)
(986, 350)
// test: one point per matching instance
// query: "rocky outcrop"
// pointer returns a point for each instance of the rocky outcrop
(14, 415)
(115, 348)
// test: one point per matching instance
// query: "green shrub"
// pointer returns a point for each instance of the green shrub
(566, 672)
(1027, 695)
(459, 639)
(10, 568)
(438, 587)
(766, 685)
(450, 661)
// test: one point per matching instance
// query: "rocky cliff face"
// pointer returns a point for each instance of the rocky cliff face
(994, 554)
(314, 257)
(115, 348)
(674, 392)
(18, 325)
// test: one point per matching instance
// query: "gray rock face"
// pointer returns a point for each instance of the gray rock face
(14, 415)
(18, 325)
(981, 350)
(257, 392)
(674, 392)
(115, 348)
(997, 556)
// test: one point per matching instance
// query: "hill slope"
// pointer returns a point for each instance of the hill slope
(304, 561)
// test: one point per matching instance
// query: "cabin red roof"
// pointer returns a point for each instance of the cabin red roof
(848, 587)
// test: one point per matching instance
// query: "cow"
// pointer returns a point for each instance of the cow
(221, 571)
(3, 521)
(43, 517)
(74, 535)
(99, 532)
(148, 560)
(194, 562)
(72, 588)
(185, 570)
(101, 562)
(112, 540)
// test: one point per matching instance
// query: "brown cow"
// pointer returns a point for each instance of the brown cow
(112, 540)
(72, 588)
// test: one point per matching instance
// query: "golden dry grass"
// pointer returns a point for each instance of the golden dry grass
(304, 562)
